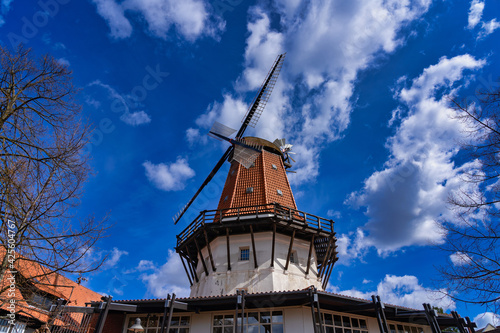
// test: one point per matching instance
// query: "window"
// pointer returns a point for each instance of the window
(40, 301)
(274, 167)
(223, 323)
(395, 328)
(279, 192)
(244, 254)
(249, 190)
(335, 323)
(254, 322)
(152, 323)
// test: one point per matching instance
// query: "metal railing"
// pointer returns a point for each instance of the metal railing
(275, 210)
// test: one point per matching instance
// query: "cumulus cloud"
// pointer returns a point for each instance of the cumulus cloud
(168, 278)
(460, 259)
(169, 177)
(486, 318)
(475, 13)
(113, 14)
(404, 200)
(135, 118)
(327, 45)
(190, 18)
(404, 291)
(114, 257)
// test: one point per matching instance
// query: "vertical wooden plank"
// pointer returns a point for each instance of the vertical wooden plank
(201, 257)
(273, 245)
(310, 253)
(228, 251)
(253, 248)
(209, 250)
(289, 250)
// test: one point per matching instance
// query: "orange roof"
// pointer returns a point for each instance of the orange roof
(51, 283)
(267, 178)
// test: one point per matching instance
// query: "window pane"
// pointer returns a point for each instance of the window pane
(173, 330)
(153, 321)
(151, 330)
(175, 321)
(355, 322)
(346, 330)
(329, 329)
(338, 330)
(328, 319)
(346, 321)
(218, 320)
(362, 323)
(253, 329)
(356, 331)
(217, 330)
(337, 320)
(184, 321)
(265, 328)
(277, 328)
(184, 330)
(277, 316)
(265, 317)
(228, 320)
(228, 329)
(253, 318)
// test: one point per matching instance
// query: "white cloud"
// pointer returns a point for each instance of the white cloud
(475, 13)
(4, 9)
(169, 177)
(63, 61)
(145, 265)
(121, 103)
(135, 118)
(460, 259)
(327, 44)
(488, 28)
(404, 200)
(486, 318)
(114, 258)
(113, 14)
(404, 291)
(169, 278)
(190, 18)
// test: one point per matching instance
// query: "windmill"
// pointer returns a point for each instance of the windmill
(240, 150)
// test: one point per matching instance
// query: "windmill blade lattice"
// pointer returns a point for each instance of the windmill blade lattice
(252, 116)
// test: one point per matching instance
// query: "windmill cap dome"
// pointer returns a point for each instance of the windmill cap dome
(267, 145)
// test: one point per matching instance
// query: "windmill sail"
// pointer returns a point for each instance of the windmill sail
(252, 116)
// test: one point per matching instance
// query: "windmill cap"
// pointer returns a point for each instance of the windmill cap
(267, 145)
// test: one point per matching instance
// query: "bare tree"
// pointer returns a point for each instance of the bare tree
(473, 236)
(42, 168)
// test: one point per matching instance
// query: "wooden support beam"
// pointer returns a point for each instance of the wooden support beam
(102, 316)
(187, 273)
(192, 267)
(290, 250)
(201, 256)
(256, 265)
(329, 268)
(209, 250)
(325, 258)
(310, 254)
(273, 246)
(228, 251)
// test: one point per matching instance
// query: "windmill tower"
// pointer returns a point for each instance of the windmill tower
(256, 240)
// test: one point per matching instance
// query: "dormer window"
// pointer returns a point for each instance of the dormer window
(249, 190)
(274, 166)
(280, 193)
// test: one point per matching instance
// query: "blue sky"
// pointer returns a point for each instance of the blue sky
(362, 96)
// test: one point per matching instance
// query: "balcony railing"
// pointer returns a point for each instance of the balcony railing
(231, 215)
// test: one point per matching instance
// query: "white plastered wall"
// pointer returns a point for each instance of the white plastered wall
(244, 275)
